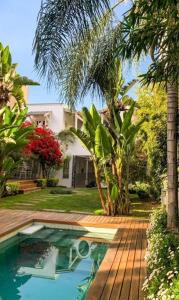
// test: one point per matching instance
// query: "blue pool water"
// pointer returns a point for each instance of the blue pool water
(51, 264)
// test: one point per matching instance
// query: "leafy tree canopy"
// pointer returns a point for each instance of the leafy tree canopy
(152, 103)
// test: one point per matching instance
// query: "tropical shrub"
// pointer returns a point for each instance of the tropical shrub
(12, 188)
(142, 189)
(13, 138)
(44, 145)
(61, 192)
(111, 145)
(162, 280)
(52, 182)
(11, 82)
(42, 182)
(153, 134)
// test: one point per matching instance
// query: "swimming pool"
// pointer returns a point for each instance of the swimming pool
(53, 263)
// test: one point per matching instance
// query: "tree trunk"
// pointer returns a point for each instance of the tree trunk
(98, 183)
(172, 205)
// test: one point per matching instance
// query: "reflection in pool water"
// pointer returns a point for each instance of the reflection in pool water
(51, 264)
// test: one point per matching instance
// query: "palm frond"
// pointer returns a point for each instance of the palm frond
(77, 60)
(151, 27)
(58, 22)
(91, 64)
(23, 80)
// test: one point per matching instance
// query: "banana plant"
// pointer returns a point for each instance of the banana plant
(124, 133)
(94, 137)
(13, 137)
(11, 82)
(99, 142)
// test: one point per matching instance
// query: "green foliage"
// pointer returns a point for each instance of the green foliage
(41, 182)
(52, 182)
(152, 104)
(111, 145)
(12, 188)
(75, 18)
(158, 222)
(99, 212)
(61, 191)
(11, 81)
(162, 259)
(142, 189)
(103, 143)
(151, 27)
(85, 50)
(13, 137)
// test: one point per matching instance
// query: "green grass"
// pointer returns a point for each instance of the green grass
(82, 199)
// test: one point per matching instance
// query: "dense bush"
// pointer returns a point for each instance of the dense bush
(12, 188)
(142, 189)
(162, 280)
(61, 191)
(42, 182)
(51, 182)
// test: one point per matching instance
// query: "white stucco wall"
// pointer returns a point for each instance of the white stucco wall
(58, 122)
(73, 149)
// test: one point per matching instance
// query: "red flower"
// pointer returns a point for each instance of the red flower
(45, 145)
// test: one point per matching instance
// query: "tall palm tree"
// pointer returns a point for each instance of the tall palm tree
(152, 27)
(149, 27)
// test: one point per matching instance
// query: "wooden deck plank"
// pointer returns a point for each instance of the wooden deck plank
(143, 264)
(121, 274)
(114, 269)
(129, 266)
(120, 277)
(135, 281)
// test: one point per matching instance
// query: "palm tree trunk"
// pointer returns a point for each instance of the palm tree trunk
(172, 205)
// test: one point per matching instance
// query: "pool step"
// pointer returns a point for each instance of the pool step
(31, 229)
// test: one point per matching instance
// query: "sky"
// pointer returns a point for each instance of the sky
(18, 19)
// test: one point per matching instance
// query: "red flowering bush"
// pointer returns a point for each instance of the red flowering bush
(45, 146)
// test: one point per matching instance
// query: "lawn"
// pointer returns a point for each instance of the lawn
(82, 199)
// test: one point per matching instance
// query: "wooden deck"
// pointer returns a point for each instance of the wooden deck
(122, 272)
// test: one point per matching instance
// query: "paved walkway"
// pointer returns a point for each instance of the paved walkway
(122, 272)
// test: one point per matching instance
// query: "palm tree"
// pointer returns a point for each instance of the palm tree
(149, 27)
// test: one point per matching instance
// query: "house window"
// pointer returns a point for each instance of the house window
(66, 166)
(40, 123)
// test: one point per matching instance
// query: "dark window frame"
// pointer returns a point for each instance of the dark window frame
(66, 169)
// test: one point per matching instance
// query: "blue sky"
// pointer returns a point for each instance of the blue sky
(17, 28)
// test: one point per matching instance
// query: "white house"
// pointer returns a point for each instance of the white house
(78, 168)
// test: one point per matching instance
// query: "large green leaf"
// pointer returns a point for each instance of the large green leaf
(114, 192)
(117, 121)
(95, 116)
(83, 138)
(6, 60)
(127, 118)
(88, 123)
(23, 80)
(124, 90)
(103, 145)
